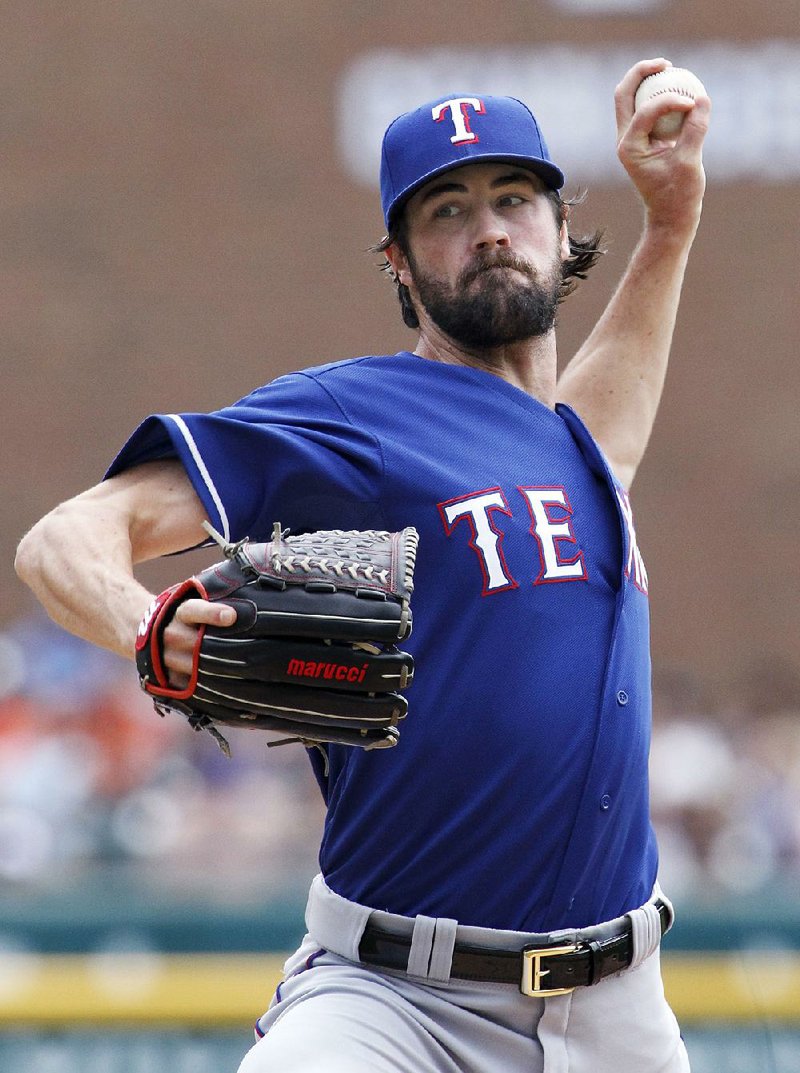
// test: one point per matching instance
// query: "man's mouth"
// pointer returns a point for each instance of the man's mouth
(476, 273)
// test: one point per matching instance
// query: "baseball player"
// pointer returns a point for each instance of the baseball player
(487, 897)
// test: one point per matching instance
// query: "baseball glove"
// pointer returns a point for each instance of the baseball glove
(311, 653)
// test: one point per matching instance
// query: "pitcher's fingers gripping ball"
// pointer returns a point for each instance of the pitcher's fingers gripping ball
(679, 86)
(311, 653)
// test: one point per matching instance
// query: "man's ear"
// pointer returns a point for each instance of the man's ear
(401, 270)
(563, 235)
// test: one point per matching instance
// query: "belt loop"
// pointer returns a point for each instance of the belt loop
(658, 893)
(596, 961)
(335, 923)
(419, 956)
(444, 941)
(646, 933)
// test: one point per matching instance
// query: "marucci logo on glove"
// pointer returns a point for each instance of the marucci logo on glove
(301, 668)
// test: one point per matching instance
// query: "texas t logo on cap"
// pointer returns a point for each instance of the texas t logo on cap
(455, 130)
(458, 109)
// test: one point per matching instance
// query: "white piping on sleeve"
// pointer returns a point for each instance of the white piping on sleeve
(190, 443)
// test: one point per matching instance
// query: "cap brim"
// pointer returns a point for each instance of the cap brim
(547, 172)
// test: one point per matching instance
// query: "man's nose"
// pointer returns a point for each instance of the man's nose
(490, 231)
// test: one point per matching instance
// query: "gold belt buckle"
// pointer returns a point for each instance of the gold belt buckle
(532, 971)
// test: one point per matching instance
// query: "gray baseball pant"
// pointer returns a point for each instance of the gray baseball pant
(332, 1014)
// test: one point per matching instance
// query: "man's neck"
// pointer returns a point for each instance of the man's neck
(530, 365)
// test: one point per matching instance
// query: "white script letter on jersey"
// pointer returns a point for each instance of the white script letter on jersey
(460, 116)
(549, 532)
(634, 566)
(486, 541)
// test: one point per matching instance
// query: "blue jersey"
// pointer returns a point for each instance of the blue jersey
(517, 795)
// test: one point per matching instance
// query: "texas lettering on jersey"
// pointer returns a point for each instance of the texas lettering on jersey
(634, 566)
(560, 557)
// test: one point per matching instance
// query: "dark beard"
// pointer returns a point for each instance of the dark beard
(502, 309)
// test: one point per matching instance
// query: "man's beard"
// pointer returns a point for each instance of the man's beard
(502, 309)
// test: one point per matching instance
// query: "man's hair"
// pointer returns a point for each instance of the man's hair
(584, 252)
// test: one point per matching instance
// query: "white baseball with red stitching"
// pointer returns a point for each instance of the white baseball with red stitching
(671, 80)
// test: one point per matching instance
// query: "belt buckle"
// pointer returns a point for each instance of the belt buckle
(532, 971)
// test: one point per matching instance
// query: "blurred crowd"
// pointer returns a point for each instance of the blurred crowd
(91, 778)
(725, 783)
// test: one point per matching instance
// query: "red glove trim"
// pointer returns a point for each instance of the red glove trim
(150, 635)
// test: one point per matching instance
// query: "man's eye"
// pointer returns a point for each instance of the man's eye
(511, 200)
(446, 211)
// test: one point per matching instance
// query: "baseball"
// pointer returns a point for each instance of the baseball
(672, 80)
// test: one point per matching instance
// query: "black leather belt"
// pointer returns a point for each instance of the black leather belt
(540, 969)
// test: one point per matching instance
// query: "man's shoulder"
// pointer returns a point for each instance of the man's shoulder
(316, 387)
(363, 365)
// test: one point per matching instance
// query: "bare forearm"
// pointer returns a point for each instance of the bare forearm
(79, 558)
(79, 566)
(616, 378)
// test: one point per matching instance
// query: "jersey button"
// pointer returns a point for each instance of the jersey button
(622, 698)
(605, 802)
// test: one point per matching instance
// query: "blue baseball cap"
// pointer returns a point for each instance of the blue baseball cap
(457, 130)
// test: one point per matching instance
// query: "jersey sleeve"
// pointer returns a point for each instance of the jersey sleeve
(284, 453)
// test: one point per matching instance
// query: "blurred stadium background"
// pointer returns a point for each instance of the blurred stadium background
(188, 192)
